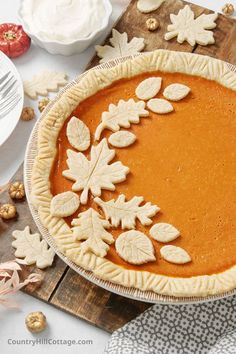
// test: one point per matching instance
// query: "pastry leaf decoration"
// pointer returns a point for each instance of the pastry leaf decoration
(125, 213)
(120, 46)
(89, 226)
(64, 204)
(186, 28)
(122, 139)
(122, 115)
(174, 254)
(43, 83)
(164, 232)
(78, 134)
(135, 247)
(96, 174)
(32, 249)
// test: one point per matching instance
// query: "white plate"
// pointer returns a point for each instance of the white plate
(132, 293)
(8, 123)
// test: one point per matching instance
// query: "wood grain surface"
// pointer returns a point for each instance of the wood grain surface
(61, 286)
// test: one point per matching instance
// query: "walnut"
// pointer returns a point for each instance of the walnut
(42, 104)
(152, 24)
(36, 322)
(27, 113)
(7, 211)
(228, 9)
(16, 190)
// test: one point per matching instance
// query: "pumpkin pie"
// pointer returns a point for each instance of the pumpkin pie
(135, 174)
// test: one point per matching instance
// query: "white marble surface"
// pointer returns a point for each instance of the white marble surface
(61, 325)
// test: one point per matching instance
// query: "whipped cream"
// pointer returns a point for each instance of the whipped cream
(63, 20)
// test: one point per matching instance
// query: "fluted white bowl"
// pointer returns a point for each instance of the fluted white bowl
(73, 47)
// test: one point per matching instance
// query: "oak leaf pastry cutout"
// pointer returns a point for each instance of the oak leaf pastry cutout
(125, 213)
(90, 226)
(43, 83)
(186, 28)
(148, 88)
(78, 134)
(120, 46)
(96, 174)
(174, 254)
(146, 6)
(121, 139)
(164, 232)
(64, 204)
(176, 92)
(32, 249)
(160, 106)
(121, 115)
(135, 247)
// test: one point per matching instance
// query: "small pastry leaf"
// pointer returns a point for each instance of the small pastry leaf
(135, 247)
(160, 106)
(148, 88)
(163, 232)
(78, 134)
(122, 139)
(174, 254)
(64, 204)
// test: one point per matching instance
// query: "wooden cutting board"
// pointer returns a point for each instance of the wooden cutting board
(62, 287)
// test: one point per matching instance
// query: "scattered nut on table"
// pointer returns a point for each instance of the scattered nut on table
(228, 9)
(43, 103)
(16, 190)
(7, 211)
(152, 24)
(27, 113)
(36, 322)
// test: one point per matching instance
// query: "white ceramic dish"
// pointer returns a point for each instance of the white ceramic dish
(78, 46)
(135, 294)
(9, 122)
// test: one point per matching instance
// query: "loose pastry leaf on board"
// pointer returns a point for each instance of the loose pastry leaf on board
(135, 247)
(174, 254)
(78, 134)
(96, 174)
(120, 46)
(122, 115)
(146, 6)
(125, 213)
(64, 204)
(186, 28)
(164, 232)
(32, 249)
(91, 227)
(43, 83)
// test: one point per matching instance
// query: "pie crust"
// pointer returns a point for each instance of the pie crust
(92, 82)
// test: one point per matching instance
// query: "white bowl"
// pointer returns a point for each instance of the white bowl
(77, 46)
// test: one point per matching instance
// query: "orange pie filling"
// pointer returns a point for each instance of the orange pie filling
(184, 162)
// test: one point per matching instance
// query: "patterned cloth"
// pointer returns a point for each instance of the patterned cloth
(208, 328)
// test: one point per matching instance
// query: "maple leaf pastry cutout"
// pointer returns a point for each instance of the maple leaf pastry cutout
(186, 28)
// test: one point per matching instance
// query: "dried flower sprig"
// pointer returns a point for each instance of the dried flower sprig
(10, 282)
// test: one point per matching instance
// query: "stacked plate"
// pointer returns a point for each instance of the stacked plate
(11, 97)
